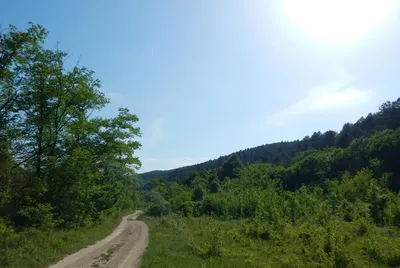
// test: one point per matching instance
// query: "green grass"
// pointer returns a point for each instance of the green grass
(34, 248)
(168, 245)
(208, 242)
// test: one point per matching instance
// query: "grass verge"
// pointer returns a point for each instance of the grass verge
(207, 242)
(35, 248)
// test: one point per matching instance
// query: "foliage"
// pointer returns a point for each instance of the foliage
(335, 207)
(388, 117)
(61, 167)
(209, 242)
(34, 249)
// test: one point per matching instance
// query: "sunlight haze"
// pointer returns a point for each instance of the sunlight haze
(208, 78)
(341, 21)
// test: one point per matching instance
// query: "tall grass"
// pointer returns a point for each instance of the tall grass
(208, 242)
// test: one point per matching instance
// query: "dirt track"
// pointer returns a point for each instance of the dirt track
(121, 249)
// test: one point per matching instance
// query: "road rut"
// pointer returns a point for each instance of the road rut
(123, 248)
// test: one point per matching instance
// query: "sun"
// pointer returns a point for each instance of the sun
(339, 21)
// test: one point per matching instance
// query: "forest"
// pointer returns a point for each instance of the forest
(387, 117)
(62, 167)
(335, 203)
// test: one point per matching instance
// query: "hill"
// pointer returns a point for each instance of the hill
(387, 117)
(334, 207)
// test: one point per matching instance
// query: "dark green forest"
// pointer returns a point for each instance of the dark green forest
(61, 165)
(388, 117)
(334, 203)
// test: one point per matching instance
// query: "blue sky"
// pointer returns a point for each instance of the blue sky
(207, 78)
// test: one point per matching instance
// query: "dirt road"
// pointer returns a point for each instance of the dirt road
(121, 249)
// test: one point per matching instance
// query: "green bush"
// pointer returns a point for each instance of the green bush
(392, 211)
(382, 250)
(158, 210)
(40, 216)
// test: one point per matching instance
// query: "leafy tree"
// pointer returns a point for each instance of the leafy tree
(231, 168)
(16, 47)
(159, 206)
(59, 163)
(198, 193)
(214, 185)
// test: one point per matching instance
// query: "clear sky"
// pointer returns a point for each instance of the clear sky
(207, 78)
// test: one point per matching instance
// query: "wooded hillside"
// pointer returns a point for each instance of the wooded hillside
(387, 117)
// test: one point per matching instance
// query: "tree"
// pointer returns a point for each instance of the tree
(54, 103)
(231, 168)
(345, 136)
(198, 193)
(16, 47)
(329, 138)
(57, 160)
(214, 184)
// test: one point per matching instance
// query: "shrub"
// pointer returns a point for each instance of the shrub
(40, 216)
(159, 206)
(382, 250)
(159, 209)
(212, 246)
(392, 211)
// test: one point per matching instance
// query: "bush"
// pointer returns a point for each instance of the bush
(158, 205)
(40, 216)
(382, 250)
(392, 211)
(364, 227)
(159, 209)
(5, 229)
(186, 208)
(212, 246)
(258, 230)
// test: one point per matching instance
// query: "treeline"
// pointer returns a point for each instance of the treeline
(376, 156)
(388, 117)
(60, 165)
(336, 207)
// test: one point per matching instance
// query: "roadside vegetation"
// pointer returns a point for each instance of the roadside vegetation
(335, 207)
(66, 174)
(40, 247)
(178, 241)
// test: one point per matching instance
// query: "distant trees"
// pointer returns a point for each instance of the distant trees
(329, 204)
(388, 117)
(357, 182)
(59, 164)
(231, 168)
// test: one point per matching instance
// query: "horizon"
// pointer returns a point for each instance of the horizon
(283, 141)
(207, 79)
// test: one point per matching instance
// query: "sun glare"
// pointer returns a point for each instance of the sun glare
(339, 21)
